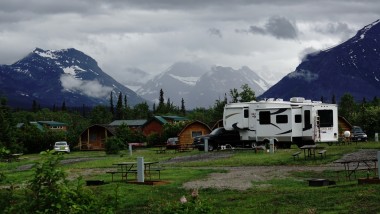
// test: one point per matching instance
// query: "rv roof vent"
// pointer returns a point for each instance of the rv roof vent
(297, 99)
(317, 101)
(279, 99)
(307, 101)
(270, 99)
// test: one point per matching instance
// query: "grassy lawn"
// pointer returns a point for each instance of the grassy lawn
(288, 195)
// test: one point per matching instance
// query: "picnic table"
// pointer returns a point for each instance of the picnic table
(128, 168)
(160, 149)
(362, 160)
(309, 151)
(11, 157)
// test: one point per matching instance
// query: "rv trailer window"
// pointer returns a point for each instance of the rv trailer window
(281, 118)
(297, 118)
(326, 118)
(246, 113)
(264, 117)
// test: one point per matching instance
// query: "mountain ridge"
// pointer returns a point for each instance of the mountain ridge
(350, 67)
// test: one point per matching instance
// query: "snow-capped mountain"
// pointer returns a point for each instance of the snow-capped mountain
(351, 67)
(200, 87)
(176, 82)
(51, 77)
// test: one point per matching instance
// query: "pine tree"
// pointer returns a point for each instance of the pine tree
(83, 110)
(119, 107)
(112, 109)
(34, 106)
(183, 110)
(161, 104)
(63, 106)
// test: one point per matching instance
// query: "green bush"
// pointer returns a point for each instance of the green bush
(113, 145)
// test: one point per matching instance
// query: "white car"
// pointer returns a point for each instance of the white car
(61, 146)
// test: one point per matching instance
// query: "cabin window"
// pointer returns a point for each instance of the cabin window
(297, 118)
(196, 133)
(307, 119)
(326, 118)
(281, 118)
(264, 117)
(246, 113)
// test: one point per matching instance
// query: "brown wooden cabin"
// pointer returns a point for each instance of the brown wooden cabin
(343, 125)
(156, 124)
(93, 137)
(191, 130)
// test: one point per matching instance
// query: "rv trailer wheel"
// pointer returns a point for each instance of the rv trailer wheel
(210, 147)
(253, 145)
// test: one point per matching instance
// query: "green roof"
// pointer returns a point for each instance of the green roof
(128, 122)
(51, 123)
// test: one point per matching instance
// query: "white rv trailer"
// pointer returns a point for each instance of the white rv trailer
(296, 121)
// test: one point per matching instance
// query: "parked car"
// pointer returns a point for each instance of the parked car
(62, 146)
(357, 134)
(216, 138)
(172, 143)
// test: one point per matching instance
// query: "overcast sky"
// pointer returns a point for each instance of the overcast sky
(269, 36)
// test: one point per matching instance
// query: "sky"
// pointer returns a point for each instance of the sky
(269, 36)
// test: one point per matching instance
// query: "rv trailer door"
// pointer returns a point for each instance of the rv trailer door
(307, 124)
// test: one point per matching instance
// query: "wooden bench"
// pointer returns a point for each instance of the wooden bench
(160, 150)
(322, 153)
(296, 155)
(155, 170)
(123, 174)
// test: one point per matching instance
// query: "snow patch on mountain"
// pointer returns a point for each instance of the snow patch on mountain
(46, 54)
(187, 80)
(73, 70)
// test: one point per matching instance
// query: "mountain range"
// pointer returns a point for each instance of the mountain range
(199, 86)
(350, 67)
(51, 77)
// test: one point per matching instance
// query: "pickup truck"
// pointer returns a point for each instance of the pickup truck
(357, 134)
(217, 138)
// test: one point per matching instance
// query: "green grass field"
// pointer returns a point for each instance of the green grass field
(288, 195)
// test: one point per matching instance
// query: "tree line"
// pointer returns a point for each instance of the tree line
(29, 139)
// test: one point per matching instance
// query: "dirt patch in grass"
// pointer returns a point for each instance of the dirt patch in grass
(241, 178)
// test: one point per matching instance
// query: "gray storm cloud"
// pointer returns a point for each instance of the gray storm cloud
(90, 88)
(279, 27)
(215, 32)
(338, 28)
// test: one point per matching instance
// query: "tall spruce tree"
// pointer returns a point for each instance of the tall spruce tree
(119, 107)
(112, 108)
(183, 110)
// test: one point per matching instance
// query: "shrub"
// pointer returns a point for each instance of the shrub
(113, 145)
